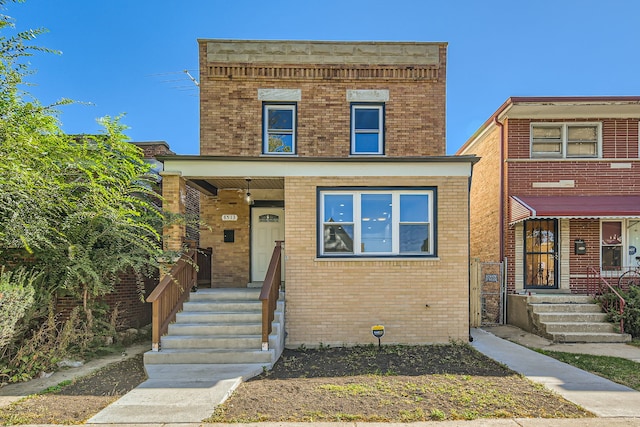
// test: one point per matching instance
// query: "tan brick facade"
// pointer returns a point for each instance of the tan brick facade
(414, 113)
(337, 301)
(334, 301)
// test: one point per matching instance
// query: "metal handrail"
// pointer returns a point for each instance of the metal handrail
(594, 287)
(168, 297)
(270, 292)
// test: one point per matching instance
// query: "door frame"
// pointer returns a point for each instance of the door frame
(553, 253)
(273, 204)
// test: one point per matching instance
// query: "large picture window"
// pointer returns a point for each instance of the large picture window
(565, 140)
(279, 122)
(372, 222)
(367, 129)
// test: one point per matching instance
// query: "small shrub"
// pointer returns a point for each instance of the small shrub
(631, 316)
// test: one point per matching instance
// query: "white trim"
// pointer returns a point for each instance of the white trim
(564, 144)
(269, 167)
(266, 132)
(379, 132)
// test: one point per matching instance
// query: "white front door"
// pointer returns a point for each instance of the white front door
(267, 226)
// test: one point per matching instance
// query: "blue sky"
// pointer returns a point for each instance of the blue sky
(129, 56)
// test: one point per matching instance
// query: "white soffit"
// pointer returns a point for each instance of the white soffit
(574, 110)
(203, 168)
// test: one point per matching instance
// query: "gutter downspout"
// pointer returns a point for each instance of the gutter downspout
(501, 185)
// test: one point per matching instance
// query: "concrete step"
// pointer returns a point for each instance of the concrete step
(559, 299)
(223, 305)
(213, 342)
(220, 294)
(578, 327)
(588, 337)
(218, 317)
(215, 328)
(206, 356)
(565, 308)
(547, 317)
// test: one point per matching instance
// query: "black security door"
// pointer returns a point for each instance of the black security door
(540, 257)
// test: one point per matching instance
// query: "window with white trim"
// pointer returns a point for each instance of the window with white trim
(565, 140)
(367, 128)
(279, 128)
(377, 222)
(619, 244)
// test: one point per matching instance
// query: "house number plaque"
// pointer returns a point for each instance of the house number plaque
(229, 217)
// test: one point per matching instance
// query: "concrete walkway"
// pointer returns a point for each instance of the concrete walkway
(600, 396)
(176, 394)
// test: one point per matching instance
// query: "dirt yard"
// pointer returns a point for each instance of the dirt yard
(394, 383)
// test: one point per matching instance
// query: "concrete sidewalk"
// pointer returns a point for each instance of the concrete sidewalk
(600, 396)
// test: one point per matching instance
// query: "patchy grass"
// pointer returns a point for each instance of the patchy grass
(617, 369)
(390, 384)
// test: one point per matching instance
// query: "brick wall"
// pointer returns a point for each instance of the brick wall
(485, 198)
(230, 260)
(336, 302)
(414, 116)
(590, 176)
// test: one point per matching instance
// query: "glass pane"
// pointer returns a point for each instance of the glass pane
(280, 143)
(338, 208)
(611, 257)
(547, 132)
(547, 147)
(539, 236)
(366, 143)
(414, 208)
(269, 218)
(367, 119)
(582, 133)
(540, 270)
(376, 223)
(581, 149)
(338, 238)
(414, 238)
(280, 119)
(611, 233)
(633, 249)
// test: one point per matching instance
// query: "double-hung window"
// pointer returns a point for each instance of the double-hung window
(367, 128)
(377, 222)
(279, 128)
(565, 140)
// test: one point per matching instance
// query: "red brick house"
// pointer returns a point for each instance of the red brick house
(337, 148)
(557, 191)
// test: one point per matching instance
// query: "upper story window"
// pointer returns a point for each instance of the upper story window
(565, 140)
(367, 128)
(279, 129)
(377, 222)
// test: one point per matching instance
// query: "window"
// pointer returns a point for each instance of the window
(279, 135)
(611, 245)
(372, 222)
(564, 140)
(367, 129)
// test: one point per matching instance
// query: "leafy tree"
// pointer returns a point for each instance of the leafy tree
(76, 210)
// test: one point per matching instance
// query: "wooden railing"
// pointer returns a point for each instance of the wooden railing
(598, 285)
(270, 292)
(172, 291)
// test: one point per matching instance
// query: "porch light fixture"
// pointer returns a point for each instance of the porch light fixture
(248, 199)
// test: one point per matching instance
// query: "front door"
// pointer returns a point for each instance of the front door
(267, 226)
(540, 258)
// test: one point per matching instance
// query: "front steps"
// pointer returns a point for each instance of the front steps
(221, 326)
(565, 318)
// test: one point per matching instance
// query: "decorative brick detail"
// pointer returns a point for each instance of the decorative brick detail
(414, 115)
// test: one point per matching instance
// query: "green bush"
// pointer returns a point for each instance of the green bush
(16, 297)
(631, 315)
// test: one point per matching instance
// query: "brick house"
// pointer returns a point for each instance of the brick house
(557, 191)
(337, 148)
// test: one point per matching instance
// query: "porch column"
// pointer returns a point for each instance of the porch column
(174, 191)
